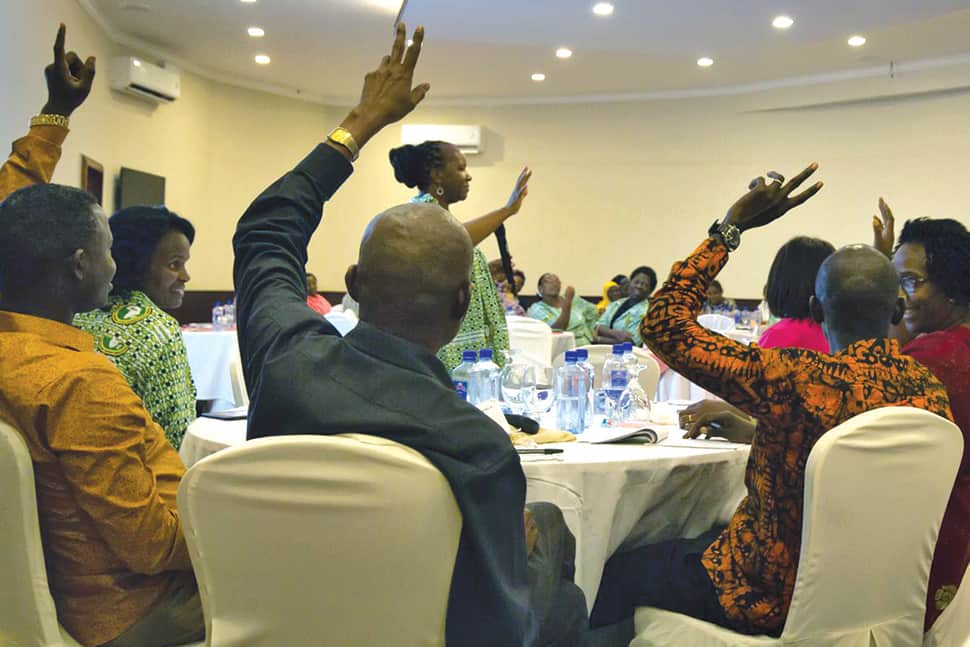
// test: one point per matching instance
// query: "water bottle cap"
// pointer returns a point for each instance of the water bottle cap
(485, 353)
(570, 357)
(218, 303)
(582, 353)
(469, 356)
(628, 347)
(617, 349)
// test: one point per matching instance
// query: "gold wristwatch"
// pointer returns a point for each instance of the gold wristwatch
(342, 137)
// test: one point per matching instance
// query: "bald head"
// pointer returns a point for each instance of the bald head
(412, 274)
(858, 294)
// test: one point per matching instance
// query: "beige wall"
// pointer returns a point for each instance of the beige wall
(615, 185)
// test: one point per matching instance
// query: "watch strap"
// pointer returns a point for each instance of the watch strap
(342, 137)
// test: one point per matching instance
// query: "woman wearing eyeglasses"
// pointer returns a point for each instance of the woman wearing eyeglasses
(932, 258)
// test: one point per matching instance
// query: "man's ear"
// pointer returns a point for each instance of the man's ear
(463, 297)
(815, 309)
(350, 280)
(77, 264)
(898, 311)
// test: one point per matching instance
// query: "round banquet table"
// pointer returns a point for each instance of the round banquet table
(613, 497)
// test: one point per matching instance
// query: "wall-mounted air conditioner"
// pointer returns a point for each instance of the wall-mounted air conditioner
(468, 139)
(144, 80)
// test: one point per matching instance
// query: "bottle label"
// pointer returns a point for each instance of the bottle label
(461, 388)
(619, 378)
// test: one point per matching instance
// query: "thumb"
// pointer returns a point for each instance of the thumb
(418, 93)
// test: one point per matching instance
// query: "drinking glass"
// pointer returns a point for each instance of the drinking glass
(518, 382)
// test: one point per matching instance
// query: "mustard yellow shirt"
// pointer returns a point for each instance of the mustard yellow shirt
(32, 159)
(106, 477)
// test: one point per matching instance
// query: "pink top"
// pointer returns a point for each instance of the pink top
(795, 333)
(318, 303)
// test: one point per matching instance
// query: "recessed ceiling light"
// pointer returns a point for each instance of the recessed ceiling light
(564, 52)
(538, 76)
(262, 59)
(248, 1)
(256, 32)
(603, 9)
(705, 61)
(782, 22)
(136, 62)
(857, 41)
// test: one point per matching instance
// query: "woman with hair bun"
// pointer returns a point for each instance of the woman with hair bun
(440, 172)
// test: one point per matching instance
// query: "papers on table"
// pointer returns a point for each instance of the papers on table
(641, 432)
(239, 413)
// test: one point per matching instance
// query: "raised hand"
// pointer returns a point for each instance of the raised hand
(519, 192)
(388, 94)
(68, 79)
(768, 201)
(884, 231)
(569, 295)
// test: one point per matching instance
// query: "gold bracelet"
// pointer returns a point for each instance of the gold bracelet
(45, 119)
(342, 137)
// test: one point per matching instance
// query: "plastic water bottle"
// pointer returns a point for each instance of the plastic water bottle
(486, 380)
(230, 310)
(218, 315)
(615, 374)
(629, 359)
(582, 360)
(462, 376)
(571, 395)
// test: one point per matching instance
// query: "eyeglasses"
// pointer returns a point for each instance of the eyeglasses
(910, 283)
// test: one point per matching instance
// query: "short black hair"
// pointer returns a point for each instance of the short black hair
(717, 284)
(137, 231)
(619, 279)
(643, 269)
(39, 225)
(947, 246)
(413, 164)
(791, 280)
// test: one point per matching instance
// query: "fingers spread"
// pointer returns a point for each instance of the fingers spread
(398, 49)
(805, 195)
(796, 181)
(414, 50)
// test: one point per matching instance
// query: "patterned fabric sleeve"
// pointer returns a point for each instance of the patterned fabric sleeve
(32, 159)
(543, 312)
(738, 373)
(498, 330)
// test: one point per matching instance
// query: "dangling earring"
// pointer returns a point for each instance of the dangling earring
(440, 191)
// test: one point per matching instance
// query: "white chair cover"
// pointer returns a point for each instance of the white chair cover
(875, 490)
(717, 323)
(532, 338)
(239, 393)
(952, 627)
(321, 540)
(28, 617)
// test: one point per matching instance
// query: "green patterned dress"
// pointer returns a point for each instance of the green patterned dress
(146, 345)
(582, 318)
(484, 324)
(628, 321)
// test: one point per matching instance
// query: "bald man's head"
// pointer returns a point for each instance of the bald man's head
(857, 295)
(412, 274)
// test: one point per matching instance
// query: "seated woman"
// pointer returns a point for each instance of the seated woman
(313, 298)
(932, 259)
(568, 312)
(507, 294)
(791, 284)
(151, 248)
(716, 303)
(621, 320)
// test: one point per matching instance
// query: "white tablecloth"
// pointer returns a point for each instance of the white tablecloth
(612, 496)
(210, 353)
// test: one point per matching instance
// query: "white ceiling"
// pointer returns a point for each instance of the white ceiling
(486, 50)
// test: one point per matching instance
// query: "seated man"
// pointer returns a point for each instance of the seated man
(106, 478)
(742, 577)
(509, 586)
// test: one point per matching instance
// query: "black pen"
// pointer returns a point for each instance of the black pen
(539, 450)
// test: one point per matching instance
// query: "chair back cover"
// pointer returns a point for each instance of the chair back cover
(532, 338)
(717, 323)
(240, 395)
(321, 540)
(952, 627)
(27, 614)
(876, 487)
